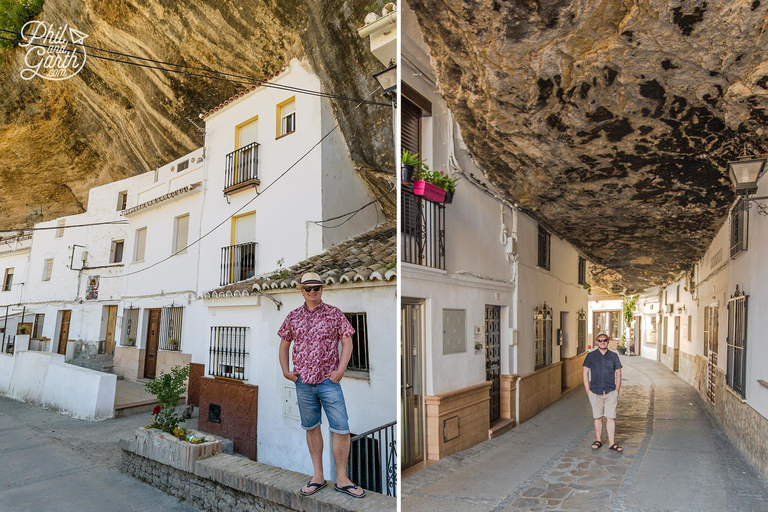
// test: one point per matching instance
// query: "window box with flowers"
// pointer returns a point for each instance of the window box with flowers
(433, 185)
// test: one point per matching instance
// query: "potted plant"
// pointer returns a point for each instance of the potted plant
(622, 347)
(408, 162)
(130, 341)
(428, 184)
(23, 328)
(173, 344)
(449, 185)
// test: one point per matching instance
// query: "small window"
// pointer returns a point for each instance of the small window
(736, 365)
(545, 240)
(8, 279)
(37, 330)
(60, 228)
(582, 270)
(286, 115)
(141, 243)
(183, 166)
(116, 252)
(122, 200)
(739, 221)
(47, 269)
(359, 360)
(181, 234)
(677, 294)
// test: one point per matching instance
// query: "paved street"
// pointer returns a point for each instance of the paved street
(49, 462)
(676, 458)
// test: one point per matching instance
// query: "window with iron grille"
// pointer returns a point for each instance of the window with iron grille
(736, 366)
(359, 360)
(582, 270)
(130, 326)
(582, 331)
(542, 336)
(170, 328)
(183, 166)
(544, 249)
(227, 351)
(739, 222)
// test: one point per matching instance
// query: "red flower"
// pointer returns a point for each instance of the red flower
(156, 410)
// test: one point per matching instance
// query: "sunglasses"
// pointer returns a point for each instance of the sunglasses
(602, 340)
(312, 288)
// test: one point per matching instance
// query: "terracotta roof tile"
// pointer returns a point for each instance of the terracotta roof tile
(368, 257)
(239, 95)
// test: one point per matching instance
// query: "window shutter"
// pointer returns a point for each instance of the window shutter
(410, 127)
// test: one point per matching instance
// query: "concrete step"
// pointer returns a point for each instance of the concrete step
(500, 427)
(130, 409)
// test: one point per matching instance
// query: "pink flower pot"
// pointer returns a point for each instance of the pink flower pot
(428, 191)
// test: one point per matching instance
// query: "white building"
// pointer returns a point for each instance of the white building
(493, 303)
(14, 260)
(711, 331)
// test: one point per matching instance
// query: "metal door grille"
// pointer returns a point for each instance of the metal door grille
(582, 332)
(542, 336)
(711, 376)
(493, 357)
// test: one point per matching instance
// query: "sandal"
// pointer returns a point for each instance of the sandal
(313, 491)
(616, 448)
(347, 490)
(596, 445)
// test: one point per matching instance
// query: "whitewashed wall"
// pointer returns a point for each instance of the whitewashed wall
(370, 403)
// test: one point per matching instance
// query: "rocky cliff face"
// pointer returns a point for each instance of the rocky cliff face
(612, 122)
(112, 120)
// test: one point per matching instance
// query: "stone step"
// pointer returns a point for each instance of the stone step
(134, 408)
(500, 427)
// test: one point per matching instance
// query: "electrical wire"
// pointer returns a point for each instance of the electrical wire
(64, 227)
(353, 212)
(239, 209)
(241, 79)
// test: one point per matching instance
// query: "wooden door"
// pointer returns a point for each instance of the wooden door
(638, 331)
(153, 338)
(411, 385)
(710, 348)
(111, 325)
(676, 353)
(493, 357)
(66, 315)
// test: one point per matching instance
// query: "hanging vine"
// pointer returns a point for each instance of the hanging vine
(628, 310)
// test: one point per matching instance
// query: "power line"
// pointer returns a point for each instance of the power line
(241, 79)
(64, 227)
(353, 212)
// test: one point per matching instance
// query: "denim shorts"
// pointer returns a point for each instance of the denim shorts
(329, 395)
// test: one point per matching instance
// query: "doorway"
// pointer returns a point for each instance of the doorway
(493, 357)
(710, 348)
(412, 393)
(562, 339)
(676, 351)
(66, 315)
(109, 339)
(153, 338)
(637, 335)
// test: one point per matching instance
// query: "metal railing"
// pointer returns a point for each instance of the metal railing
(130, 327)
(373, 460)
(227, 351)
(241, 166)
(422, 224)
(238, 262)
(170, 328)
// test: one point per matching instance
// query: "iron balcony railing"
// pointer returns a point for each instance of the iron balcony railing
(238, 262)
(227, 351)
(422, 225)
(373, 460)
(242, 167)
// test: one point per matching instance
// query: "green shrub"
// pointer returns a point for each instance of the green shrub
(168, 387)
(14, 14)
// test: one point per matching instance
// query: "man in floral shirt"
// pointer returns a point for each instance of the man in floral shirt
(315, 330)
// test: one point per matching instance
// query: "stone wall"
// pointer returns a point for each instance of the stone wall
(539, 390)
(572, 372)
(168, 359)
(693, 370)
(457, 420)
(508, 396)
(227, 483)
(196, 373)
(129, 362)
(239, 405)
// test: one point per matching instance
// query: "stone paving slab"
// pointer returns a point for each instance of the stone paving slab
(682, 462)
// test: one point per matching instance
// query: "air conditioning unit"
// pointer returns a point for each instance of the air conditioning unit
(669, 308)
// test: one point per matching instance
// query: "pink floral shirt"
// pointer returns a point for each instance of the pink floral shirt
(315, 335)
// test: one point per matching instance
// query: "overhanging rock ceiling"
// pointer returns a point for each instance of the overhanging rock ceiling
(612, 122)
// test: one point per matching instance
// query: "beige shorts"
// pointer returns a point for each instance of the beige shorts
(604, 405)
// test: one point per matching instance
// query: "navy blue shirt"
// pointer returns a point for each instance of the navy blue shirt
(603, 367)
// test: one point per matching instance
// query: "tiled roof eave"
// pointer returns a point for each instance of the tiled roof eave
(161, 199)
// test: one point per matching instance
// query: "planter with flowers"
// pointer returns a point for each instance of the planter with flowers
(433, 185)
(408, 163)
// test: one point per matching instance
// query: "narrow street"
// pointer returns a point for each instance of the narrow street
(676, 458)
(50, 462)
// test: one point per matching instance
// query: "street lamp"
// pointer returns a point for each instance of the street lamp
(388, 81)
(744, 174)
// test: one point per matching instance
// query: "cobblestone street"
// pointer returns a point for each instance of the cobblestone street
(49, 462)
(676, 458)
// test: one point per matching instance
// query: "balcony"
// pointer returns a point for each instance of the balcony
(238, 262)
(422, 226)
(241, 169)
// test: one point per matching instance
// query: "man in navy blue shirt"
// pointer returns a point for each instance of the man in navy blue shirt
(602, 380)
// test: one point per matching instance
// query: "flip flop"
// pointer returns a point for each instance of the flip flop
(616, 448)
(596, 445)
(313, 491)
(346, 490)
